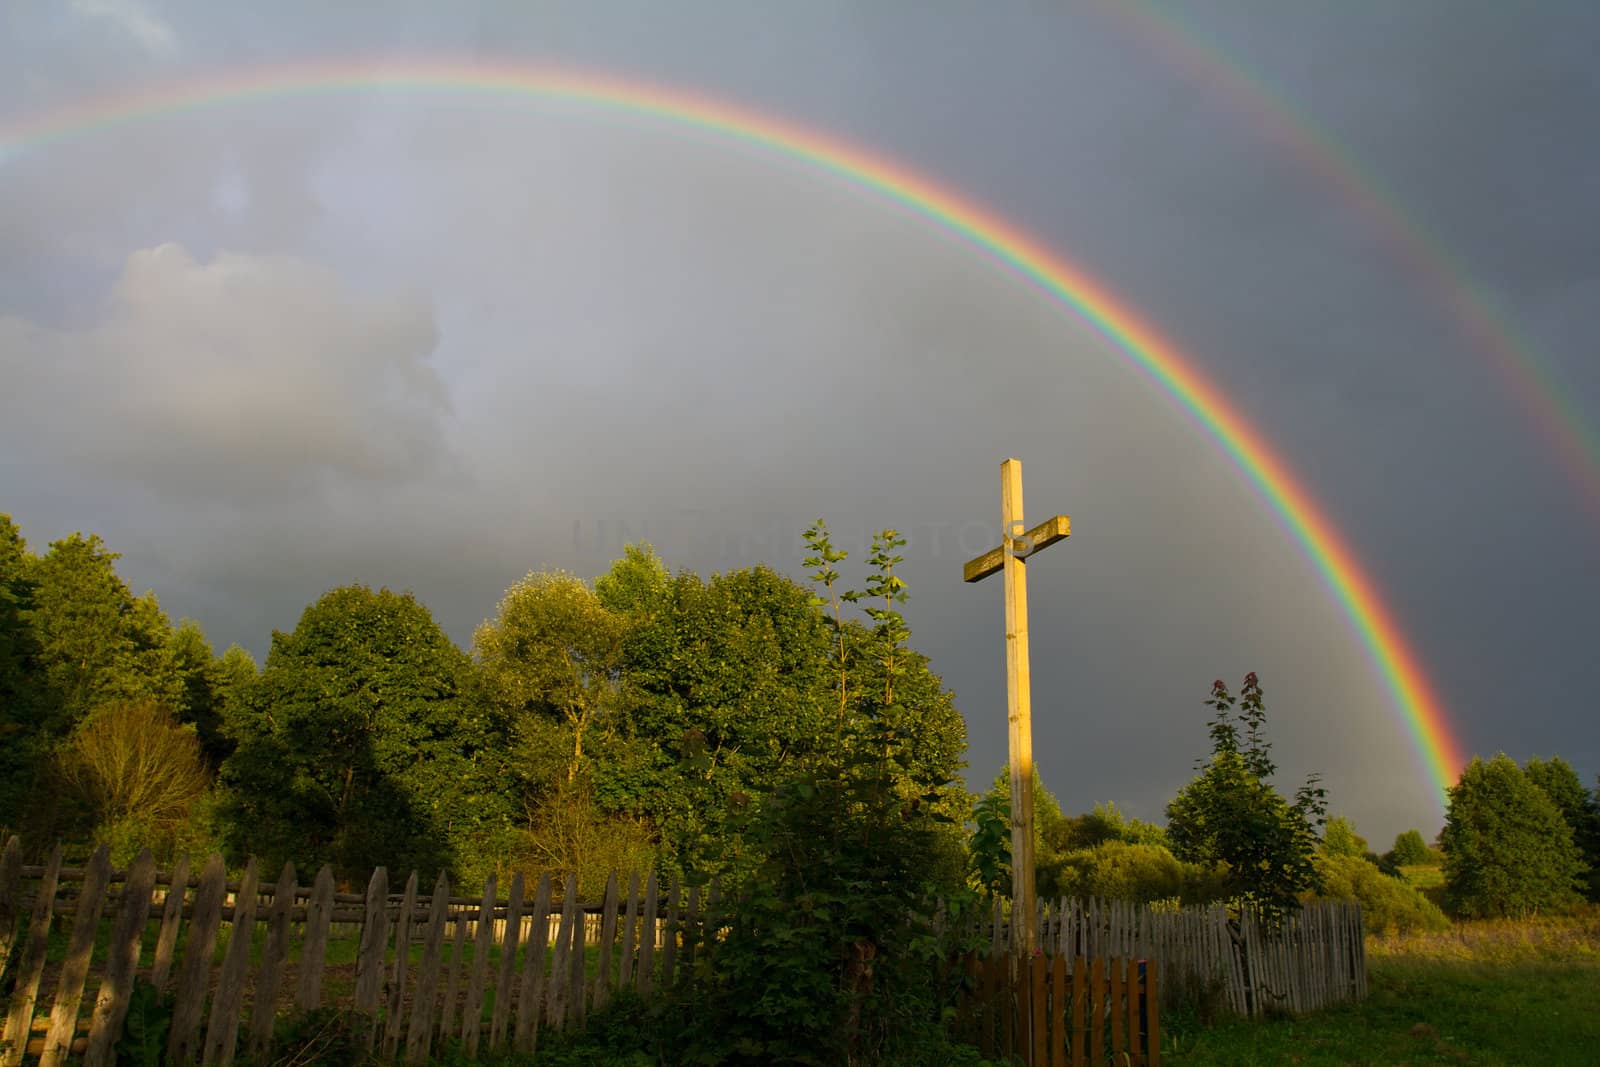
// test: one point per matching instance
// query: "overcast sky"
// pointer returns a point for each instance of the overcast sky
(434, 341)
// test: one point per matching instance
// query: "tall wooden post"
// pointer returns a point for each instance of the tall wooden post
(1010, 558)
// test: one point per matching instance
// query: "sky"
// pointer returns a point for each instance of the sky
(435, 340)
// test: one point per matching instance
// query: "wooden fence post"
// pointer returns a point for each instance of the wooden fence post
(222, 1032)
(111, 1002)
(629, 932)
(264, 1011)
(75, 967)
(402, 958)
(458, 948)
(374, 942)
(194, 976)
(559, 964)
(472, 1014)
(504, 987)
(648, 929)
(608, 936)
(10, 895)
(314, 949)
(171, 918)
(531, 996)
(419, 1035)
(19, 1022)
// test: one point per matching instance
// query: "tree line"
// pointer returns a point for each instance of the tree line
(644, 720)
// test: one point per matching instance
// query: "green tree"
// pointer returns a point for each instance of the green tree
(83, 619)
(730, 685)
(21, 726)
(554, 651)
(1231, 814)
(356, 745)
(1579, 808)
(830, 947)
(1508, 851)
(989, 846)
(1410, 850)
(201, 684)
(1339, 838)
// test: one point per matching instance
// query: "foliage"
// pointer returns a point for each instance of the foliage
(1231, 815)
(21, 736)
(553, 651)
(989, 847)
(1388, 905)
(1508, 851)
(1339, 838)
(143, 1041)
(1410, 850)
(97, 642)
(831, 948)
(137, 772)
(357, 747)
(1117, 870)
(1579, 809)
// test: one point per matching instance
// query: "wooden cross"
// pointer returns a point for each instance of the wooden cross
(1015, 547)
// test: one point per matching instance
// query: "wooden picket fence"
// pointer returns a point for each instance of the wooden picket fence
(1312, 960)
(1044, 1012)
(236, 957)
(531, 971)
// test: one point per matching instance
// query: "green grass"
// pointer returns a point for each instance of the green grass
(1490, 993)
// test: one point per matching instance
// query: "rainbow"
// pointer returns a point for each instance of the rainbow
(1414, 698)
(1542, 400)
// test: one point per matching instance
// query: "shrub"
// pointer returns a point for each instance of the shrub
(1116, 870)
(137, 771)
(1388, 905)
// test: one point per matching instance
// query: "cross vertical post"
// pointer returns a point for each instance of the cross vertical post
(1010, 560)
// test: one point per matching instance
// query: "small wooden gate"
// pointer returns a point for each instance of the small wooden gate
(1043, 1013)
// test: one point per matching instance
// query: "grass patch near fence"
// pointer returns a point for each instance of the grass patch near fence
(1490, 993)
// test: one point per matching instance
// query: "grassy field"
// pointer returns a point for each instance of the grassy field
(1511, 993)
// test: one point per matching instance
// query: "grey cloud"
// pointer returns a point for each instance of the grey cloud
(240, 376)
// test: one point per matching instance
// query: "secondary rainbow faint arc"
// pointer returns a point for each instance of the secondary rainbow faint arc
(1565, 429)
(1397, 664)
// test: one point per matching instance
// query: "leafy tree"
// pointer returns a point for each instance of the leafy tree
(827, 959)
(21, 729)
(202, 685)
(1105, 823)
(730, 685)
(90, 639)
(1508, 851)
(356, 744)
(1339, 838)
(555, 651)
(990, 864)
(1579, 808)
(1410, 850)
(1231, 814)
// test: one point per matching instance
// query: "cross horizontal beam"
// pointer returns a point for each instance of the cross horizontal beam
(1040, 537)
